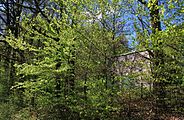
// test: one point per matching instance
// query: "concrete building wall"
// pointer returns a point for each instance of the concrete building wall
(136, 65)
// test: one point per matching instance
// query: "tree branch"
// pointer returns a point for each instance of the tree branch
(143, 2)
(42, 32)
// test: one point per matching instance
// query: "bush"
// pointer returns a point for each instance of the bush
(6, 111)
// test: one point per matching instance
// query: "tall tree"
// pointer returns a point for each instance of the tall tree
(159, 57)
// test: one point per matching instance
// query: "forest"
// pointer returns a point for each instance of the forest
(91, 59)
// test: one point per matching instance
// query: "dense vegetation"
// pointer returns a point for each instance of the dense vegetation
(72, 59)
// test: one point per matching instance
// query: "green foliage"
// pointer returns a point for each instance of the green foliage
(171, 44)
(7, 110)
(69, 68)
(51, 48)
